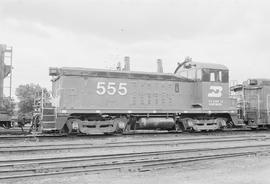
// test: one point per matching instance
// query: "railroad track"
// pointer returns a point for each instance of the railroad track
(141, 143)
(25, 168)
(26, 135)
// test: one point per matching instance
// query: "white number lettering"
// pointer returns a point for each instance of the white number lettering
(122, 90)
(101, 90)
(111, 88)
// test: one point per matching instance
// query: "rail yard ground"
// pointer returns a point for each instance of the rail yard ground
(239, 157)
(244, 170)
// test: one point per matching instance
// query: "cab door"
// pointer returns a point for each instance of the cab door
(252, 106)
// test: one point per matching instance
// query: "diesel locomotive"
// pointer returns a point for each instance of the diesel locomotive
(195, 97)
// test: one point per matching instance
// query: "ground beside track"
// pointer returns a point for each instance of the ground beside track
(243, 170)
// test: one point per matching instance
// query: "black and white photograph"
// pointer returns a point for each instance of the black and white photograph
(134, 91)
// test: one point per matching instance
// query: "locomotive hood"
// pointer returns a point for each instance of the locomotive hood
(88, 72)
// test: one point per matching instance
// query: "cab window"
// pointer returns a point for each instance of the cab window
(215, 75)
(220, 76)
(192, 74)
(199, 74)
(225, 76)
(184, 74)
(212, 77)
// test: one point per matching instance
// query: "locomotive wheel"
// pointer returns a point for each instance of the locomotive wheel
(185, 123)
(130, 125)
(229, 124)
(67, 128)
(121, 124)
(179, 127)
(221, 122)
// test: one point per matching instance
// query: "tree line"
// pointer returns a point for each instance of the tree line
(26, 95)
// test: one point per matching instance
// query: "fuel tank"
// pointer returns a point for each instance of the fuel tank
(155, 123)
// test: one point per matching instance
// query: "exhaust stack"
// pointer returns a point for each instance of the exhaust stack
(127, 64)
(159, 66)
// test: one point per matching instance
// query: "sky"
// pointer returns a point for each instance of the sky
(99, 33)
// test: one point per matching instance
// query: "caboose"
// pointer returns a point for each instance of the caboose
(253, 102)
(193, 98)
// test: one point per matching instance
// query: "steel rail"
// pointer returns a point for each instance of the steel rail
(18, 162)
(25, 135)
(54, 147)
(131, 163)
(36, 148)
(145, 141)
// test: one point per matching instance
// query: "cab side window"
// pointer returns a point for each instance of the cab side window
(192, 74)
(225, 76)
(220, 76)
(199, 75)
(184, 74)
(205, 75)
(212, 77)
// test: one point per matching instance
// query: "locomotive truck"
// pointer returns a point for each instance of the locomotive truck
(91, 101)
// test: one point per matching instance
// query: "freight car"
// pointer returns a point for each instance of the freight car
(253, 102)
(193, 98)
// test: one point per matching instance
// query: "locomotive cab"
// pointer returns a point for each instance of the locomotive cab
(211, 107)
(211, 84)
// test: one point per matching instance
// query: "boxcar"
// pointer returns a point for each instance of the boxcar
(194, 97)
(254, 102)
